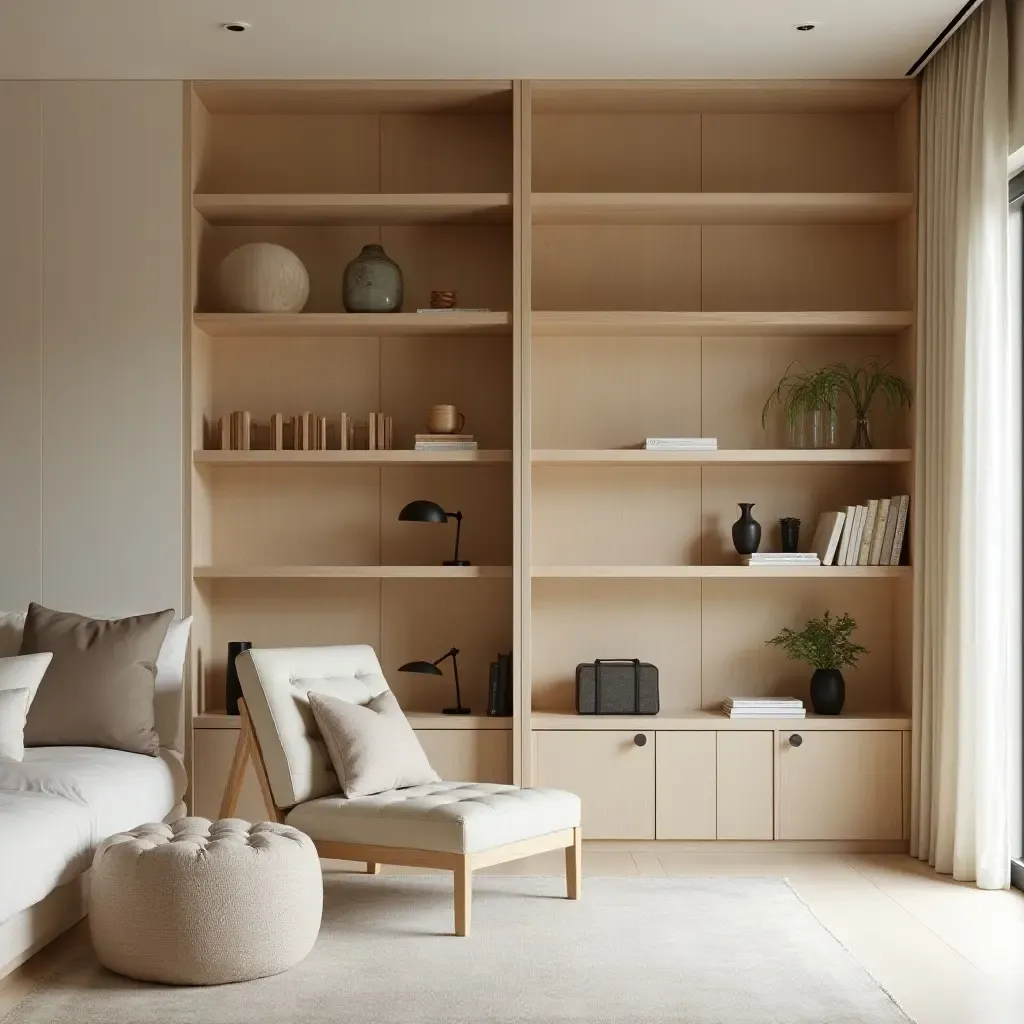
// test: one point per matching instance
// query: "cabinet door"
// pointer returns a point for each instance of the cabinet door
(611, 773)
(212, 751)
(745, 785)
(840, 785)
(685, 799)
(469, 755)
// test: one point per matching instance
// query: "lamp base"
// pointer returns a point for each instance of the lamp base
(456, 711)
(456, 561)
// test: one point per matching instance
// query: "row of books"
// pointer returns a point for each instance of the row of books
(499, 690)
(445, 443)
(681, 444)
(870, 534)
(763, 707)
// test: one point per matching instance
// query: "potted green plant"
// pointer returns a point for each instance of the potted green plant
(826, 645)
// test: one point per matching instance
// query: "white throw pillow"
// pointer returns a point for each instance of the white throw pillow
(372, 746)
(13, 712)
(170, 671)
(25, 671)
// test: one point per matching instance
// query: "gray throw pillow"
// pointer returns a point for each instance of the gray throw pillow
(99, 688)
(372, 746)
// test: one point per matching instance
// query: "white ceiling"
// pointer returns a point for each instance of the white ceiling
(466, 38)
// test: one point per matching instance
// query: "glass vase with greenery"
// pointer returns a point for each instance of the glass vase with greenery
(809, 400)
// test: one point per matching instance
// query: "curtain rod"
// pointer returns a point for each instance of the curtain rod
(958, 19)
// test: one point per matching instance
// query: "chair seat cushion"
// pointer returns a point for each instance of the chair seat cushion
(448, 817)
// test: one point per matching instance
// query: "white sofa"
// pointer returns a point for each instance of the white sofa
(59, 802)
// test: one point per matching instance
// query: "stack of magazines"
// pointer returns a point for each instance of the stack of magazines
(782, 558)
(681, 444)
(763, 707)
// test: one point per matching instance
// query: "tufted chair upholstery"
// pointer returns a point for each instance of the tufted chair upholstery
(275, 684)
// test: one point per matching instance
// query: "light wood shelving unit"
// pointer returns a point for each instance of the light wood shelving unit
(656, 254)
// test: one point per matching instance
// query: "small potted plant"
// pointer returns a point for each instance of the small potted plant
(826, 645)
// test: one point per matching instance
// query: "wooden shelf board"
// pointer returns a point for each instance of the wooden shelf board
(719, 208)
(627, 323)
(714, 720)
(730, 457)
(367, 208)
(344, 572)
(397, 457)
(351, 325)
(418, 719)
(716, 572)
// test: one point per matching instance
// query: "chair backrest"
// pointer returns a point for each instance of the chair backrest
(276, 684)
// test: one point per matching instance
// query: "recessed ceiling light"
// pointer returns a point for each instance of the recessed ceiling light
(235, 26)
(807, 26)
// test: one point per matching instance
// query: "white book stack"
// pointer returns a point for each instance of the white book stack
(681, 444)
(782, 558)
(763, 707)
(453, 309)
(445, 443)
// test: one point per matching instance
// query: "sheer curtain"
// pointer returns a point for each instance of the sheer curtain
(967, 521)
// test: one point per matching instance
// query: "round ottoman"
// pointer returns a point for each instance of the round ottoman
(203, 903)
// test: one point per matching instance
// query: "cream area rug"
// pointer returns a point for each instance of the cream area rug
(686, 950)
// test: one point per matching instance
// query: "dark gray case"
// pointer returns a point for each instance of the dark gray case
(620, 686)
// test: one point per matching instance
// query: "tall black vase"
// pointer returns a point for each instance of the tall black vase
(233, 689)
(828, 691)
(746, 531)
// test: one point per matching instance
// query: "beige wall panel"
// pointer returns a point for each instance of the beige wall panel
(295, 515)
(482, 493)
(801, 491)
(21, 469)
(112, 345)
(612, 775)
(579, 620)
(446, 153)
(738, 375)
(616, 153)
(806, 266)
(473, 374)
(614, 392)
(469, 755)
(288, 613)
(325, 376)
(745, 779)
(841, 785)
(625, 266)
(737, 619)
(686, 789)
(291, 153)
(423, 619)
(212, 751)
(799, 152)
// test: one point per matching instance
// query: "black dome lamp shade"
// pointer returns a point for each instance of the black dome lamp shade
(421, 511)
(429, 668)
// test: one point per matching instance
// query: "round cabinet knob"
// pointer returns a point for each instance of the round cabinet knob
(640, 739)
(795, 740)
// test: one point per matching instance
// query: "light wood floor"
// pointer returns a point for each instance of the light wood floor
(948, 953)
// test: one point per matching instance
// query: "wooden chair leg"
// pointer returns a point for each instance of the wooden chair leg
(463, 896)
(371, 868)
(574, 866)
(235, 776)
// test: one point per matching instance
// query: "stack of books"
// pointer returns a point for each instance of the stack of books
(763, 707)
(681, 444)
(782, 558)
(870, 534)
(499, 693)
(452, 309)
(445, 443)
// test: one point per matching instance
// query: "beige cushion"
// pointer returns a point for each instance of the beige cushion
(99, 688)
(372, 746)
(450, 817)
(276, 685)
(13, 709)
(203, 903)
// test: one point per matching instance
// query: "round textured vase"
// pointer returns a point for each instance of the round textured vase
(746, 531)
(828, 691)
(372, 283)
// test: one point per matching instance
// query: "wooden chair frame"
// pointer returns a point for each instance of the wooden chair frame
(462, 865)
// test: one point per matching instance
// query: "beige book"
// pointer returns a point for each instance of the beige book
(876, 541)
(844, 543)
(868, 532)
(901, 525)
(859, 514)
(890, 530)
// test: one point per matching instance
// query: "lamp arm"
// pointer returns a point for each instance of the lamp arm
(457, 516)
(458, 692)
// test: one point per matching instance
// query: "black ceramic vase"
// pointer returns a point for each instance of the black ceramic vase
(746, 531)
(233, 689)
(790, 531)
(828, 691)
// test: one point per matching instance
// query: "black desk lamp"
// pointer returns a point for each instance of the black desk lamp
(429, 668)
(431, 512)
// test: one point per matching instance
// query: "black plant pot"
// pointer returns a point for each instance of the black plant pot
(746, 531)
(828, 691)
(233, 689)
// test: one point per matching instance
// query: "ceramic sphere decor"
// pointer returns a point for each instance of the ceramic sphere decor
(261, 277)
(372, 283)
